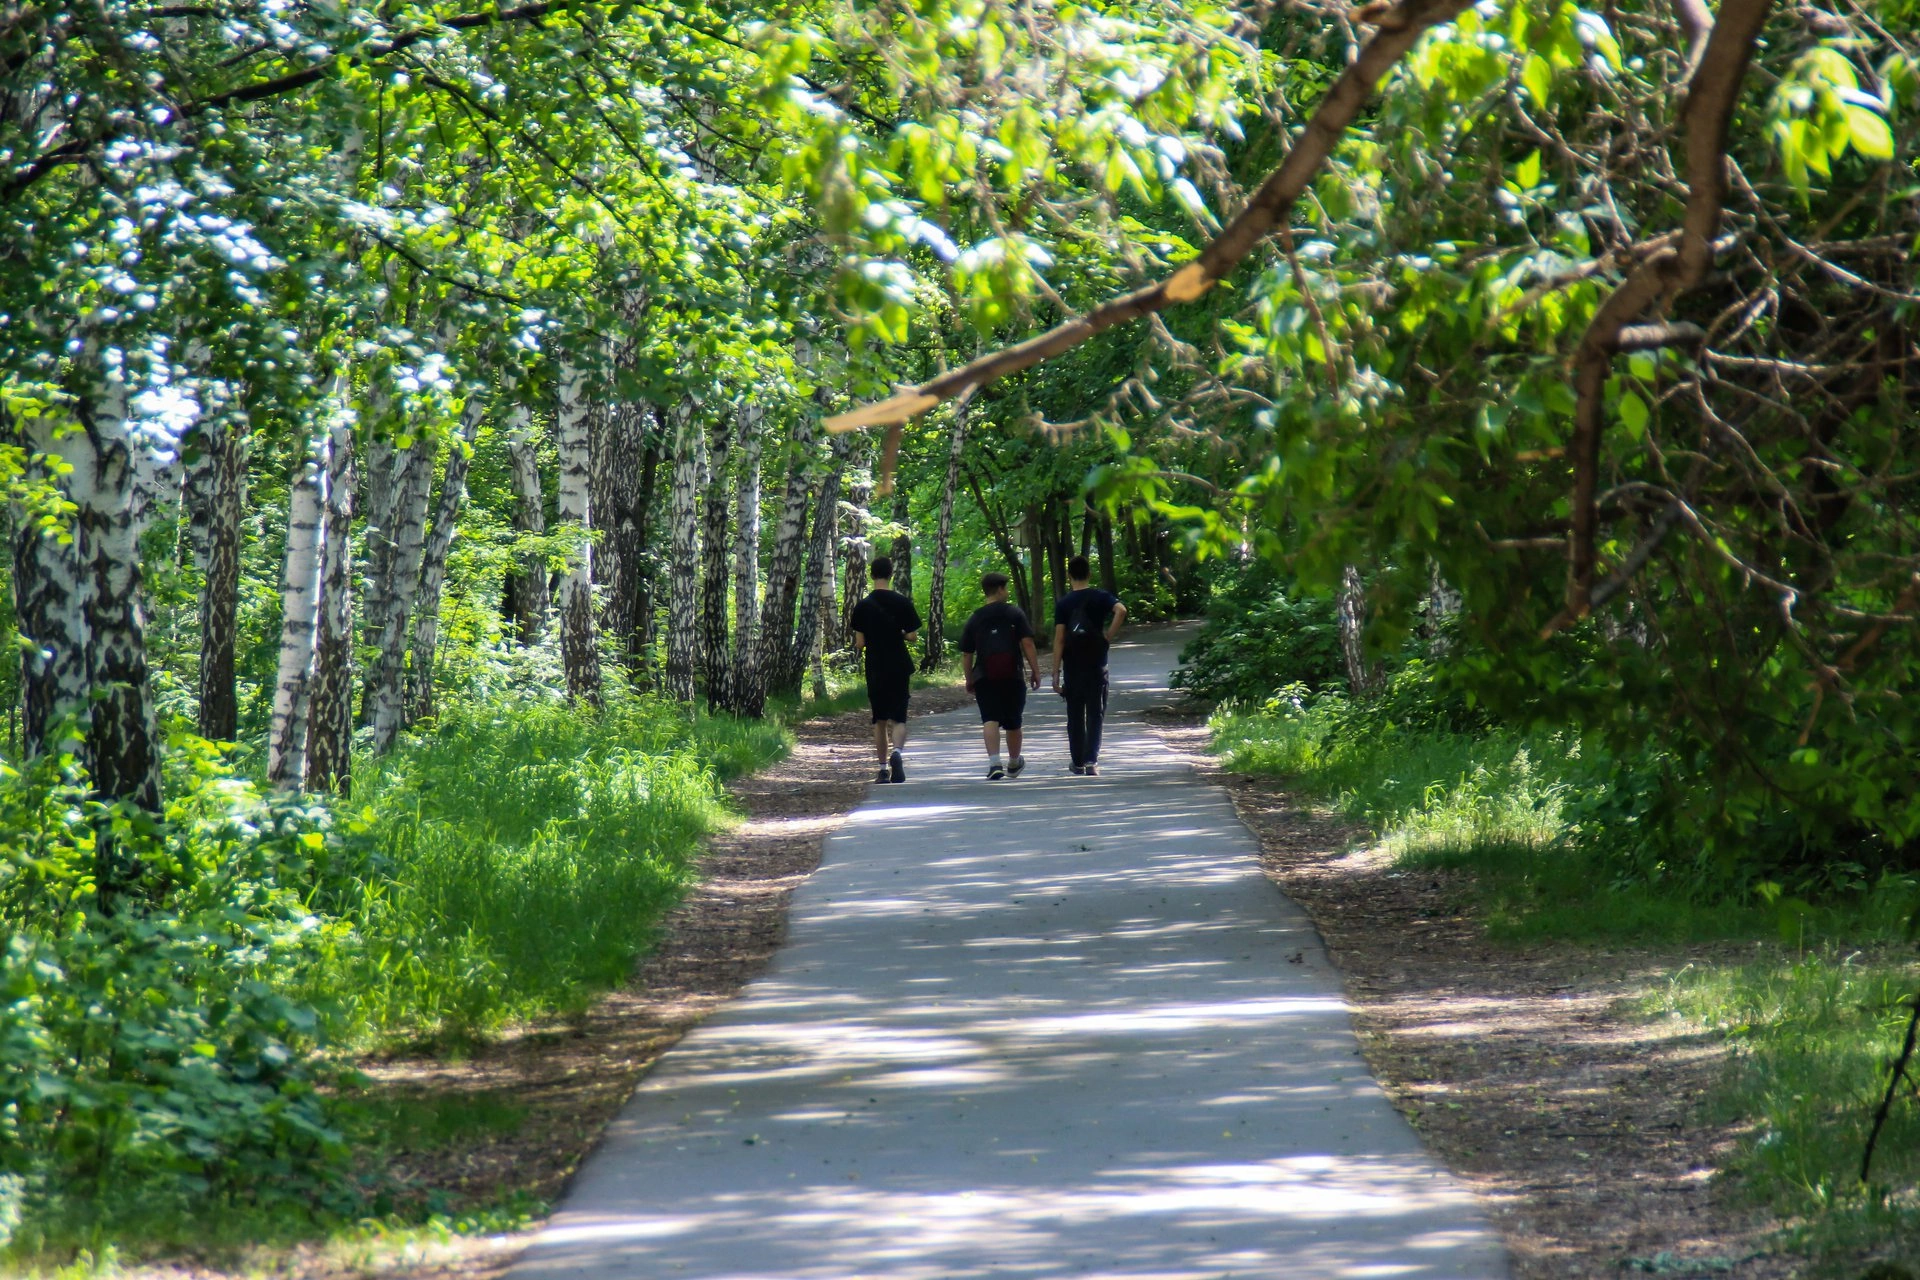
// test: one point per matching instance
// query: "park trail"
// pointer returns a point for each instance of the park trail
(1046, 1027)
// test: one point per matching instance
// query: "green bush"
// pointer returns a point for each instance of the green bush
(155, 1051)
(1259, 637)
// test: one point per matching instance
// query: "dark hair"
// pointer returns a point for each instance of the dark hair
(882, 569)
(1078, 569)
(992, 582)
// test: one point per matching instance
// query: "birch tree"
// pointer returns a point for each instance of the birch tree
(747, 687)
(777, 620)
(412, 490)
(526, 586)
(936, 642)
(684, 563)
(818, 582)
(330, 720)
(715, 661)
(433, 562)
(579, 634)
(300, 616)
(215, 499)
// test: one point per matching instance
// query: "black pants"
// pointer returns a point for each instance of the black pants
(1086, 694)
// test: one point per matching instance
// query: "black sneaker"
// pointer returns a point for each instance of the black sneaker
(1092, 770)
(1015, 765)
(1076, 769)
(883, 776)
(995, 773)
(897, 767)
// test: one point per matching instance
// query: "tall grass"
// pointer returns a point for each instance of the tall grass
(516, 859)
(1811, 1039)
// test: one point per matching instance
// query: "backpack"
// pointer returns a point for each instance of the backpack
(1083, 632)
(999, 650)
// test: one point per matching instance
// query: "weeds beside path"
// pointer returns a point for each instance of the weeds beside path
(1533, 1071)
(521, 1112)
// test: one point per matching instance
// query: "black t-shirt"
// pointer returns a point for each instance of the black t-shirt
(1089, 653)
(885, 619)
(988, 614)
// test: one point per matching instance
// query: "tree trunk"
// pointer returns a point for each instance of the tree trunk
(1002, 538)
(646, 557)
(1037, 571)
(936, 646)
(412, 488)
(1352, 608)
(716, 663)
(901, 549)
(216, 496)
(579, 636)
(1059, 537)
(300, 619)
(683, 605)
(747, 687)
(1109, 575)
(856, 524)
(49, 601)
(1088, 520)
(433, 564)
(620, 562)
(777, 620)
(818, 582)
(330, 720)
(379, 471)
(527, 589)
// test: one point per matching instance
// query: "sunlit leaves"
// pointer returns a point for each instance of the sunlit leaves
(1819, 113)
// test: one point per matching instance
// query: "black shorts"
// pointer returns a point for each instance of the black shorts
(887, 694)
(1001, 700)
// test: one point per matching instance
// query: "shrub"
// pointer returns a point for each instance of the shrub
(1259, 637)
(155, 1050)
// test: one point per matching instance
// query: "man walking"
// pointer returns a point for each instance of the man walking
(1085, 622)
(997, 637)
(883, 625)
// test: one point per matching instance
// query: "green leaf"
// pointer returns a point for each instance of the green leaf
(1527, 172)
(1869, 133)
(1634, 415)
(1537, 76)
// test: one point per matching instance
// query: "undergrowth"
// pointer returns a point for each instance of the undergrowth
(1811, 1020)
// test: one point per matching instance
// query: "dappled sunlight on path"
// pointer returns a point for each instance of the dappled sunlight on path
(1047, 1027)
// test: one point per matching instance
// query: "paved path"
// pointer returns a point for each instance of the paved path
(1040, 1028)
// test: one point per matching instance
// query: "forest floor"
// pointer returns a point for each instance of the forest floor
(1534, 1072)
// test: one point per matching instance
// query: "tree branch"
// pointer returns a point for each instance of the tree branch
(1711, 93)
(1399, 28)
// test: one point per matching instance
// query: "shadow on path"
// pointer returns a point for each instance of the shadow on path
(1047, 1027)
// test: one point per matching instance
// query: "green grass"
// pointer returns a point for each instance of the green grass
(1812, 1036)
(1812, 1020)
(513, 862)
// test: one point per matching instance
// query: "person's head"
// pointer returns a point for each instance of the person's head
(882, 571)
(993, 586)
(1079, 571)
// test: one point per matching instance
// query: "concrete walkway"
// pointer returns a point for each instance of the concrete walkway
(1039, 1028)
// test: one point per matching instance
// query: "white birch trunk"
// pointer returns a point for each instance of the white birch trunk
(433, 565)
(300, 618)
(777, 620)
(684, 563)
(579, 630)
(936, 643)
(716, 663)
(330, 713)
(527, 594)
(749, 690)
(413, 487)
